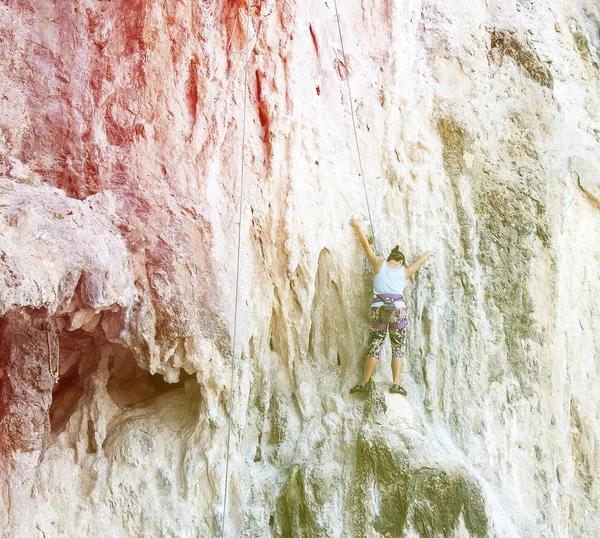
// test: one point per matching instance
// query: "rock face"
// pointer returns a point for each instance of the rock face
(120, 161)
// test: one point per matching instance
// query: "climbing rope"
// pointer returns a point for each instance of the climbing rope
(237, 276)
(362, 174)
(234, 339)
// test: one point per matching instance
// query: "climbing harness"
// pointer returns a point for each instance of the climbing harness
(237, 277)
(362, 174)
(387, 312)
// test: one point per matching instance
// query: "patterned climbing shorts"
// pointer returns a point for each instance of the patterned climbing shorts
(397, 336)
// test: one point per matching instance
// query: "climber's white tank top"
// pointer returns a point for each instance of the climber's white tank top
(390, 281)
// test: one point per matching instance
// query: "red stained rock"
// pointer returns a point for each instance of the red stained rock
(28, 359)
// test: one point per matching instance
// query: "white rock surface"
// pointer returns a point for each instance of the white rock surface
(120, 137)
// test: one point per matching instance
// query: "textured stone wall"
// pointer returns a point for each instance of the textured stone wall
(120, 160)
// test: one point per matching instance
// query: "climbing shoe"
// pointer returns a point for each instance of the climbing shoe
(397, 389)
(366, 388)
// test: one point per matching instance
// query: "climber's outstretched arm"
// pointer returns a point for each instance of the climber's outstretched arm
(374, 260)
(414, 267)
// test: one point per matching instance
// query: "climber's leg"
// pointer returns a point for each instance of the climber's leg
(398, 340)
(397, 365)
(376, 338)
(370, 365)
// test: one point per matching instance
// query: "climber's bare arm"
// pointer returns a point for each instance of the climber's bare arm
(414, 267)
(374, 260)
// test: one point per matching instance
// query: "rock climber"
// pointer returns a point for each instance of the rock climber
(388, 309)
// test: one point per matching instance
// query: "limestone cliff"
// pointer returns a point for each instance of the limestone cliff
(120, 155)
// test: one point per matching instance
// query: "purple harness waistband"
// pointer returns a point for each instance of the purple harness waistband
(385, 297)
(388, 298)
